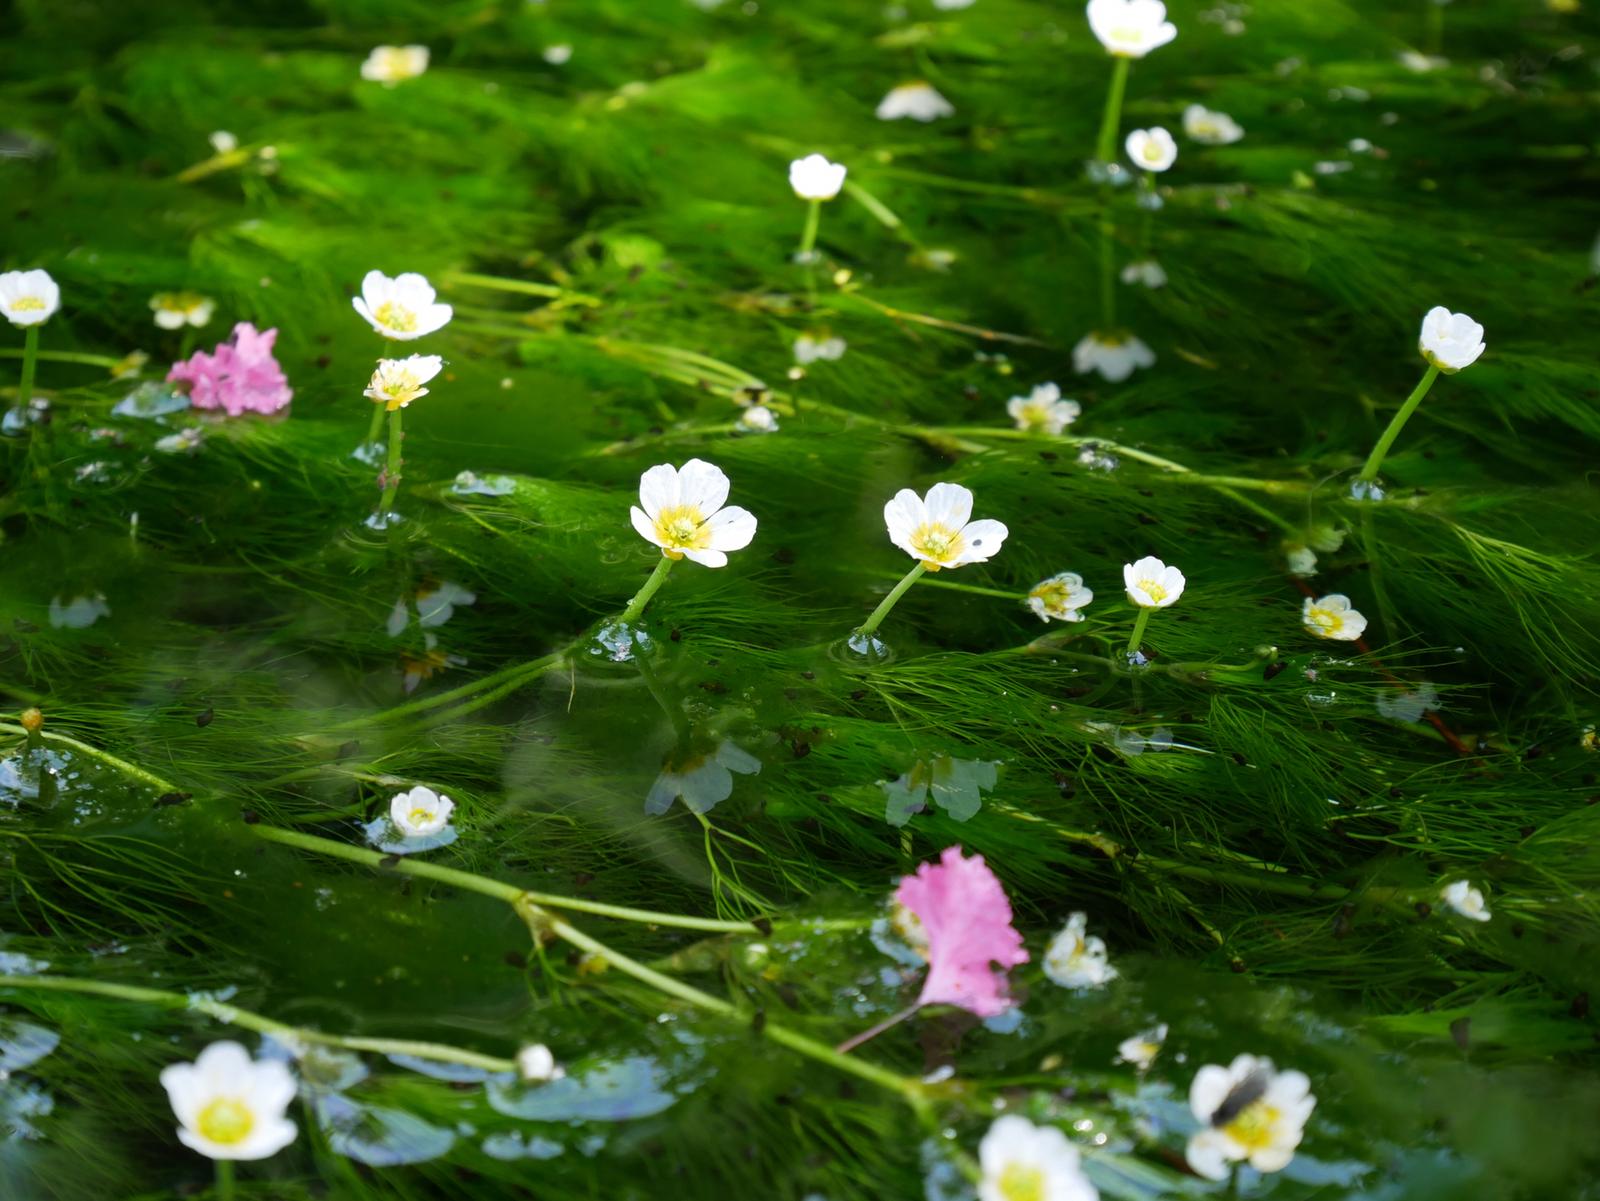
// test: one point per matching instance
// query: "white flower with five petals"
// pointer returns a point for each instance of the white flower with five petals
(918, 101)
(1076, 958)
(681, 511)
(230, 1106)
(174, 310)
(1141, 1050)
(1152, 149)
(1466, 900)
(390, 65)
(1151, 584)
(1024, 1162)
(403, 308)
(1043, 411)
(1130, 28)
(397, 382)
(1249, 1113)
(1332, 617)
(937, 529)
(1059, 598)
(1450, 341)
(421, 812)
(1115, 356)
(28, 297)
(815, 178)
(1210, 128)
(1145, 271)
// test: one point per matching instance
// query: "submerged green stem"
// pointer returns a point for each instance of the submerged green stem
(889, 602)
(1108, 278)
(642, 597)
(1106, 149)
(30, 359)
(375, 426)
(110, 760)
(391, 470)
(1396, 424)
(808, 237)
(1136, 638)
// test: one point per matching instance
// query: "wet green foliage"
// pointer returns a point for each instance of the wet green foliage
(1258, 822)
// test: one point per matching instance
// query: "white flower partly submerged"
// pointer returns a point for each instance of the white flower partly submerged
(703, 779)
(1130, 28)
(420, 813)
(397, 382)
(403, 308)
(174, 310)
(1024, 1162)
(815, 178)
(28, 297)
(1249, 1113)
(1332, 617)
(1043, 411)
(393, 64)
(918, 101)
(1450, 341)
(1151, 149)
(1076, 958)
(758, 419)
(1151, 584)
(1141, 1050)
(1209, 128)
(230, 1106)
(808, 348)
(536, 1064)
(1145, 271)
(681, 511)
(1115, 356)
(1466, 900)
(937, 529)
(1059, 598)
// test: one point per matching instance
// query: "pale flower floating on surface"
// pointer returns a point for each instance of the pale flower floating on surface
(815, 178)
(1023, 1162)
(28, 297)
(174, 310)
(1151, 149)
(758, 419)
(966, 919)
(703, 779)
(955, 785)
(397, 382)
(1466, 900)
(229, 1105)
(681, 511)
(394, 64)
(1450, 341)
(420, 812)
(435, 605)
(536, 1064)
(1130, 28)
(1115, 356)
(1151, 584)
(1043, 411)
(808, 348)
(79, 613)
(1145, 271)
(1141, 1050)
(1332, 617)
(937, 530)
(1059, 597)
(918, 101)
(240, 376)
(403, 308)
(1076, 958)
(1250, 1113)
(1201, 124)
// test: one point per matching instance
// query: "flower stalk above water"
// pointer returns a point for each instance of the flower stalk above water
(1151, 585)
(1449, 342)
(28, 299)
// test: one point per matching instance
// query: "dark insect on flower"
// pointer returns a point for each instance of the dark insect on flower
(1241, 1096)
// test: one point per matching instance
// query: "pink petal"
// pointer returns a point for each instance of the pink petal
(967, 920)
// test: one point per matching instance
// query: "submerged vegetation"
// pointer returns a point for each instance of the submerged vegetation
(1213, 815)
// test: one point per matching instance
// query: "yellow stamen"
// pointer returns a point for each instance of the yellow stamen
(1256, 1127)
(227, 1120)
(937, 544)
(1153, 589)
(680, 528)
(1022, 1182)
(395, 316)
(27, 304)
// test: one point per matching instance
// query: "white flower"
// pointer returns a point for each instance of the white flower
(951, 5)
(1059, 597)
(1131, 28)
(1141, 1050)
(937, 531)
(680, 510)
(1450, 341)
(79, 613)
(436, 604)
(1332, 617)
(1024, 1162)
(758, 419)
(230, 1106)
(703, 780)
(403, 308)
(397, 382)
(184, 440)
(1210, 128)
(919, 101)
(1145, 271)
(420, 812)
(1114, 356)
(1153, 149)
(815, 178)
(1249, 1112)
(223, 142)
(557, 55)
(392, 64)
(536, 1064)
(809, 348)
(1076, 959)
(1412, 60)
(1465, 900)
(174, 310)
(1302, 561)
(28, 297)
(1043, 411)
(1151, 584)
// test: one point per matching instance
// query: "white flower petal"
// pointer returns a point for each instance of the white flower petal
(658, 489)
(732, 528)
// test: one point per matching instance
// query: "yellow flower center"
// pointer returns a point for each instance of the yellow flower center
(1022, 1182)
(1153, 589)
(1111, 341)
(937, 544)
(680, 528)
(227, 1120)
(1255, 1128)
(1325, 621)
(1053, 595)
(395, 316)
(421, 817)
(1152, 152)
(27, 304)
(1035, 416)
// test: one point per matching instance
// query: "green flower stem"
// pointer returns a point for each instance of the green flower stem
(889, 602)
(224, 1179)
(498, 283)
(1136, 638)
(505, 680)
(30, 359)
(1106, 150)
(111, 761)
(976, 590)
(391, 470)
(674, 712)
(1108, 277)
(63, 356)
(808, 239)
(1398, 423)
(1147, 185)
(375, 426)
(642, 597)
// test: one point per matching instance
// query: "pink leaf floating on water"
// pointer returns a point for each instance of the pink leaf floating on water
(966, 919)
(240, 376)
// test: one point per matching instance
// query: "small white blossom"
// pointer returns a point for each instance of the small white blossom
(1077, 959)
(1302, 561)
(397, 382)
(808, 348)
(181, 442)
(1130, 28)
(79, 613)
(1466, 900)
(937, 529)
(558, 55)
(918, 101)
(1152, 149)
(681, 511)
(758, 419)
(1450, 341)
(223, 142)
(1043, 411)
(1141, 1050)
(174, 310)
(1023, 1162)
(403, 308)
(1059, 598)
(230, 1106)
(1249, 1113)
(951, 5)
(536, 1064)
(1115, 356)
(1201, 124)
(1151, 584)
(1332, 617)
(28, 297)
(420, 813)
(1145, 271)
(815, 178)
(390, 65)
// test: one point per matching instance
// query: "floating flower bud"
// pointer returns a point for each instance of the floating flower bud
(965, 916)
(1151, 149)
(681, 511)
(1043, 411)
(758, 419)
(174, 310)
(1076, 959)
(420, 813)
(1209, 128)
(403, 308)
(1145, 271)
(1141, 1050)
(1131, 28)
(1450, 341)
(397, 382)
(537, 1065)
(393, 64)
(1332, 617)
(918, 101)
(1251, 1113)
(1059, 598)
(808, 348)
(936, 530)
(230, 1106)
(1466, 900)
(28, 297)
(1115, 356)
(815, 178)
(240, 376)
(1151, 584)
(1024, 1162)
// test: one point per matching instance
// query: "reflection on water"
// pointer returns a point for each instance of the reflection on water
(635, 1087)
(702, 779)
(378, 1136)
(955, 785)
